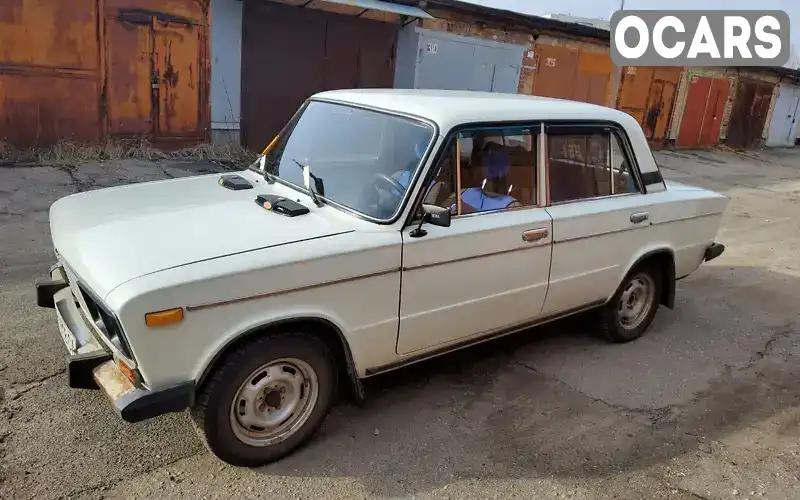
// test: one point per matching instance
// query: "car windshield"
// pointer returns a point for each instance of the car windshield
(360, 159)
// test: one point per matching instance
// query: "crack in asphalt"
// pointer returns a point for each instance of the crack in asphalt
(656, 415)
(782, 333)
(660, 414)
(164, 171)
(15, 393)
(691, 493)
(80, 185)
(108, 485)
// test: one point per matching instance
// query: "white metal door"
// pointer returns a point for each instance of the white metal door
(783, 125)
(484, 273)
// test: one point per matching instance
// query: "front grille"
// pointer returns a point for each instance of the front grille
(105, 321)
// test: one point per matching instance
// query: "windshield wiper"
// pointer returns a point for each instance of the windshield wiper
(318, 185)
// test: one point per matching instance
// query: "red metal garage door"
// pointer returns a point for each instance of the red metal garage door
(290, 53)
(702, 115)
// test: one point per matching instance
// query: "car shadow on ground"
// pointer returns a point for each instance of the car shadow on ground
(489, 411)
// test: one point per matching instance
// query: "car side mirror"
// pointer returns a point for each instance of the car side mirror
(432, 214)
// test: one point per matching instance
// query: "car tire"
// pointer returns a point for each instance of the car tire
(621, 320)
(266, 399)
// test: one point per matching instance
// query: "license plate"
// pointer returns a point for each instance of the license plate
(69, 339)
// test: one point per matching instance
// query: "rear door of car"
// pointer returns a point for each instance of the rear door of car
(602, 219)
(487, 272)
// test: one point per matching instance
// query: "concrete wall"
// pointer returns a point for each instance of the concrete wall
(405, 58)
(226, 70)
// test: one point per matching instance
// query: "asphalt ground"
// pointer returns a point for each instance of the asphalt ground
(706, 405)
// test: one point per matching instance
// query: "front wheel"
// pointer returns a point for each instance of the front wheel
(266, 399)
(632, 309)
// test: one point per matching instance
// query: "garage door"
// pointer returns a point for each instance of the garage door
(784, 125)
(451, 62)
(702, 115)
(289, 53)
(648, 94)
(749, 113)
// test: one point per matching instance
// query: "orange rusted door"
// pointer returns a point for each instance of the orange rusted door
(155, 74)
(128, 88)
(556, 72)
(594, 73)
(634, 91)
(176, 62)
(694, 111)
(49, 72)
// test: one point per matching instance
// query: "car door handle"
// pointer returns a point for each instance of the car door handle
(639, 217)
(535, 234)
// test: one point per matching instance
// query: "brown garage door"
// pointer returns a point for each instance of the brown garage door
(290, 53)
(749, 113)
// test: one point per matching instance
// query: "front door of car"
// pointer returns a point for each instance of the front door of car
(601, 218)
(488, 271)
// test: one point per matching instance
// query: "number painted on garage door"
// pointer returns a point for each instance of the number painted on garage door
(432, 48)
(550, 62)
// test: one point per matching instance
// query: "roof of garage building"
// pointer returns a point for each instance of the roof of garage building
(449, 108)
(508, 17)
(554, 23)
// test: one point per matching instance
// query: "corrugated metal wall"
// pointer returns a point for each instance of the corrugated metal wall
(83, 69)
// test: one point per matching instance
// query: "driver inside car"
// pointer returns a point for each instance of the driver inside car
(494, 191)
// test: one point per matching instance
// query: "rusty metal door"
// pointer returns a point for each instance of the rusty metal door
(648, 94)
(594, 74)
(715, 107)
(175, 57)
(634, 91)
(556, 72)
(155, 75)
(290, 53)
(749, 113)
(694, 111)
(49, 72)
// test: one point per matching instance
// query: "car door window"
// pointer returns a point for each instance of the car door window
(584, 164)
(486, 170)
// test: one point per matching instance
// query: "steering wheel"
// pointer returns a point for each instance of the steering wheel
(373, 191)
(391, 182)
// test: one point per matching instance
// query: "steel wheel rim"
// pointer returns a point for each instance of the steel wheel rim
(636, 301)
(274, 401)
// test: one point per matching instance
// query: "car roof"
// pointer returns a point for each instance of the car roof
(450, 108)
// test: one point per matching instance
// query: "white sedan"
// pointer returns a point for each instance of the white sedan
(379, 229)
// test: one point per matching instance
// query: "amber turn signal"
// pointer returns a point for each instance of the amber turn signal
(164, 318)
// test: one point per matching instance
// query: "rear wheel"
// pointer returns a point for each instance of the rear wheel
(266, 399)
(628, 315)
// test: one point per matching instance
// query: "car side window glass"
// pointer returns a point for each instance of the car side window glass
(624, 181)
(589, 164)
(485, 170)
